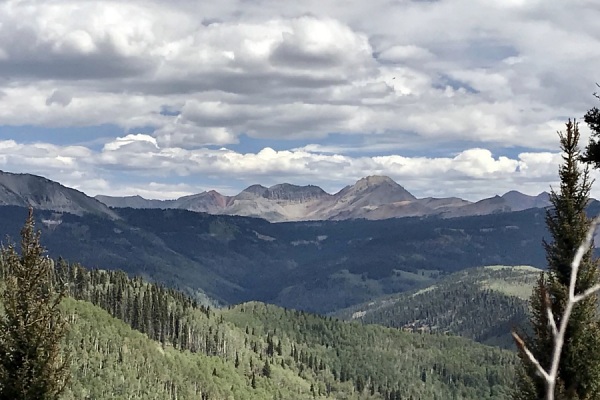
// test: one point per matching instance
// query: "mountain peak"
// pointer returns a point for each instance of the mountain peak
(287, 191)
(382, 183)
(255, 189)
(375, 180)
(518, 201)
(369, 192)
(26, 190)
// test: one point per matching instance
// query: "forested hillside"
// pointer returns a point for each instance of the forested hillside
(482, 304)
(253, 351)
(315, 266)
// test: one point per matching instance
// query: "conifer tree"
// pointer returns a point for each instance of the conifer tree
(32, 363)
(567, 222)
(266, 370)
(592, 150)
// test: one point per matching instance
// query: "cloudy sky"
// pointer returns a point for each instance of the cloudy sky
(167, 98)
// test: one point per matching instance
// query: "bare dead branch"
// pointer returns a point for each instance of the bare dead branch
(551, 375)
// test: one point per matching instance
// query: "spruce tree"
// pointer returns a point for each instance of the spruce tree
(567, 222)
(32, 362)
(592, 150)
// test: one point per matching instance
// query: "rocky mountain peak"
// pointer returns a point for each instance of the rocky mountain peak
(258, 190)
(381, 189)
(375, 180)
(286, 191)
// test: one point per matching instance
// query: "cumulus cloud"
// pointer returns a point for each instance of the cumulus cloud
(262, 70)
(473, 173)
(133, 143)
(191, 75)
(59, 97)
(402, 53)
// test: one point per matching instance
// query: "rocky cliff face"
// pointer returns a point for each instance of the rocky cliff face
(296, 194)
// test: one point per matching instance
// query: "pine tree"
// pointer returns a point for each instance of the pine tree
(567, 222)
(266, 370)
(32, 363)
(592, 151)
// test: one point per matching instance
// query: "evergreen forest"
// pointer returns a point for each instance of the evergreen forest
(129, 338)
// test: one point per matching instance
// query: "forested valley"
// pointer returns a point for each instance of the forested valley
(134, 339)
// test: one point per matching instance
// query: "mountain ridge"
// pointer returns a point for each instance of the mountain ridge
(371, 197)
(26, 190)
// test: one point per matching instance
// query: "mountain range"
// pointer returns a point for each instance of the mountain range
(373, 198)
(318, 266)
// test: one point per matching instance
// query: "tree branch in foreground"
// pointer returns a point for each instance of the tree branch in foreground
(550, 376)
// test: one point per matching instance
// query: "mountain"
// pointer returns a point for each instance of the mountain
(294, 193)
(134, 202)
(318, 266)
(27, 190)
(373, 198)
(518, 201)
(210, 202)
(482, 304)
(366, 195)
(510, 201)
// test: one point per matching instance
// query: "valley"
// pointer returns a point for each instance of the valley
(155, 343)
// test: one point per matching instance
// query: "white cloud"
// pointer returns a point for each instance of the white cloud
(401, 74)
(399, 54)
(267, 67)
(473, 173)
(135, 142)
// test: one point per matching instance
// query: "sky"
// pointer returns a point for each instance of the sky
(168, 98)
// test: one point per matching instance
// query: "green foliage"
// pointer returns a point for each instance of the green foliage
(579, 369)
(482, 304)
(388, 360)
(202, 353)
(111, 360)
(592, 150)
(33, 366)
(256, 351)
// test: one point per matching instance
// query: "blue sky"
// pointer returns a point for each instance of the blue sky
(163, 99)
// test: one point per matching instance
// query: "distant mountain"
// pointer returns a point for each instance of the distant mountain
(294, 193)
(27, 190)
(210, 202)
(134, 202)
(518, 201)
(366, 195)
(373, 198)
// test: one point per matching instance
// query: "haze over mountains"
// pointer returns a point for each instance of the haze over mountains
(373, 198)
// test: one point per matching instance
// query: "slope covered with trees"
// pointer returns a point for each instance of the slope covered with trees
(314, 266)
(482, 304)
(183, 350)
